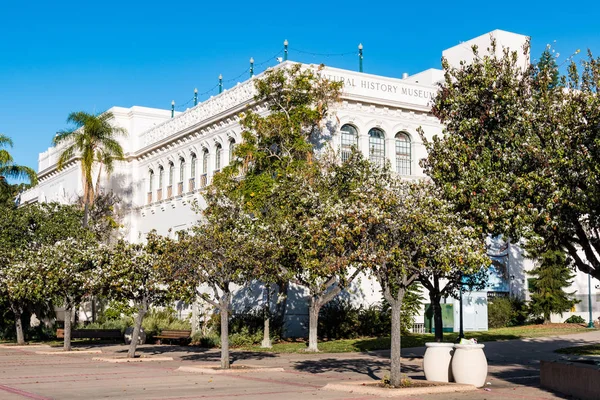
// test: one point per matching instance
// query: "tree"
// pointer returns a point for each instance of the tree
(412, 243)
(134, 273)
(322, 218)
(519, 153)
(8, 168)
(21, 287)
(276, 145)
(24, 231)
(216, 254)
(550, 277)
(68, 268)
(94, 141)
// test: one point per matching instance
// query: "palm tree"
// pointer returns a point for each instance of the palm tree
(8, 168)
(94, 141)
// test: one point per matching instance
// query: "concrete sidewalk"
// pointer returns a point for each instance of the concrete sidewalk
(513, 373)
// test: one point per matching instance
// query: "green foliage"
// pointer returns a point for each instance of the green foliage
(120, 323)
(575, 319)
(206, 341)
(520, 148)
(340, 319)
(552, 274)
(8, 168)
(94, 140)
(158, 320)
(505, 312)
(245, 338)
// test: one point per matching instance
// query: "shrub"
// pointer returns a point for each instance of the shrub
(121, 323)
(575, 319)
(158, 320)
(504, 311)
(208, 341)
(248, 325)
(339, 319)
(245, 338)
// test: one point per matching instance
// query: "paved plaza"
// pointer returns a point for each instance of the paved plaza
(25, 374)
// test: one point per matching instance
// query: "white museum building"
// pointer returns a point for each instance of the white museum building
(169, 160)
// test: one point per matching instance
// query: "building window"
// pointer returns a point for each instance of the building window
(193, 167)
(161, 173)
(349, 140)
(218, 151)
(377, 147)
(171, 173)
(151, 181)
(403, 153)
(181, 169)
(205, 162)
(231, 150)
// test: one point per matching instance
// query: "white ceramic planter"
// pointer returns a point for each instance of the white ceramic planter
(469, 364)
(437, 362)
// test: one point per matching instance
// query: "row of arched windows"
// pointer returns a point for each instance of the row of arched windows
(349, 139)
(182, 170)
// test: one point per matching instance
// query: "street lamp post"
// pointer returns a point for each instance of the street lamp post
(461, 332)
(591, 323)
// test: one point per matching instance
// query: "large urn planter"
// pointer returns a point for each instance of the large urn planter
(469, 365)
(437, 362)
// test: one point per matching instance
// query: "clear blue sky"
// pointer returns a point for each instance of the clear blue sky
(63, 56)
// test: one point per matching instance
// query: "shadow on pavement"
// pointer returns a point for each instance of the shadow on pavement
(364, 366)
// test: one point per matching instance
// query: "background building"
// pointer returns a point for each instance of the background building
(170, 160)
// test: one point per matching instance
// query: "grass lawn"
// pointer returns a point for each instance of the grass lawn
(590, 350)
(418, 340)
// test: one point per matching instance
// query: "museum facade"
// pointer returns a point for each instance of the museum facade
(170, 159)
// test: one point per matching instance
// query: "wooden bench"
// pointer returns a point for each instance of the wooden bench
(179, 335)
(91, 334)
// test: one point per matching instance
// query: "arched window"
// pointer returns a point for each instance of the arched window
(204, 176)
(403, 153)
(349, 140)
(193, 166)
(150, 185)
(161, 174)
(171, 173)
(192, 185)
(218, 151)
(150, 181)
(205, 161)
(231, 150)
(377, 146)
(181, 176)
(181, 169)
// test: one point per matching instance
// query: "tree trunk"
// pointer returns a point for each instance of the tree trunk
(224, 311)
(437, 316)
(395, 353)
(313, 324)
(546, 319)
(266, 342)
(142, 309)
(18, 311)
(68, 316)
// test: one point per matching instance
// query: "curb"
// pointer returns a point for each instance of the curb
(130, 360)
(366, 387)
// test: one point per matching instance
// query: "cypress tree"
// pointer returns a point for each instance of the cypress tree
(551, 276)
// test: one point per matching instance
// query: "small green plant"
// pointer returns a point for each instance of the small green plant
(504, 312)
(404, 382)
(206, 341)
(575, 319)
